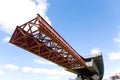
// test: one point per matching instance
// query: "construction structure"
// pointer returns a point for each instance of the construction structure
(39, 38)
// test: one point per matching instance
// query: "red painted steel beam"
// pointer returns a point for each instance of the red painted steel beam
(57, 38)
(38, 37)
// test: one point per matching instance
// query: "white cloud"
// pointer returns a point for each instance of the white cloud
(17, 12)
(95, 52)
(45, 71)
(58, 72)
(40, 70)
(66, 73)
(11, 67)
(114, 73)
(53, 78)
(35, 70)
(38, 61)
(117, 72)
(2, 72)
(117, 38)
(6, 39)
(26, 69)
(114, 56)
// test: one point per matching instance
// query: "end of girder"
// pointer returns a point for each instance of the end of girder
(94, 71)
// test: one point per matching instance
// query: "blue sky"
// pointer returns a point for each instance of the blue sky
(87, 25)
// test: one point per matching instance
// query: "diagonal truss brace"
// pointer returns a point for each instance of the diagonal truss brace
(38, 37)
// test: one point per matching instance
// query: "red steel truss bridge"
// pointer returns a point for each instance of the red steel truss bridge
(39, 38)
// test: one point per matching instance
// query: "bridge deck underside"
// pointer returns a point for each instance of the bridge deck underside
(37, 37)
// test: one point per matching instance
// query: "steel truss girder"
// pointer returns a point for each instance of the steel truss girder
(38, 37)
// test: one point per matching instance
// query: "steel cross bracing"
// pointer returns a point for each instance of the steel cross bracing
(38, 37)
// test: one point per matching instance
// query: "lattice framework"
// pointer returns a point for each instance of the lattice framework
(38, 37)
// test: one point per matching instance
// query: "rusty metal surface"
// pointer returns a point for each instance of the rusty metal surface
(38, 37)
